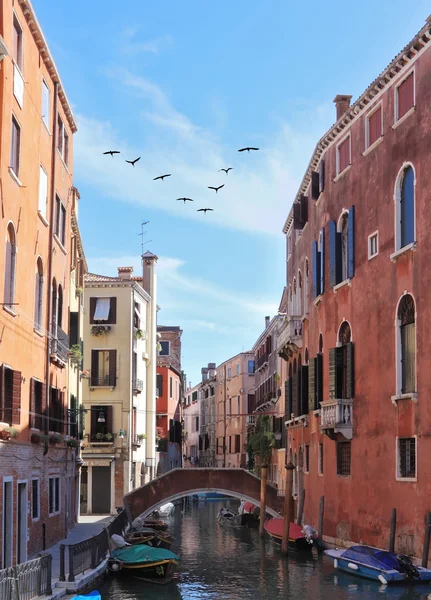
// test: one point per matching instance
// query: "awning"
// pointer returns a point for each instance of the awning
(102, 309)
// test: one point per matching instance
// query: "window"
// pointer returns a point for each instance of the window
(103, 311)
(318, 265)
(341, 367)
(342, 248)
(103, 368)
(56, 413)
(60, 221)
(38, 296)
(406, 345)
(43, 191)
(194, 397)
(373, 127)
(406, 468)
(102, 423)
(164, 348)
(237, 444)
(250, 367)
(63, 141)
(37, 392)
(35, 499)
(238, 369)
(159, 385)
(405, 208)
(343, 458)
(17, 53)
(196, 424)
(15, 147)
(289, 242)
(7, 397)
(343, 155)
(373, 245)
(54, 496)
(229, 373)
(170, 387)
(10, 268)
(320, 458)
(405, 96)
(45, 103)
(307, 458)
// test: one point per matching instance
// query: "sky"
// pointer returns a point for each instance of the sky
(184, 85)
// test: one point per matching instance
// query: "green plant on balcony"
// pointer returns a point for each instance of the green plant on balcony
(162, 445)
(78, 291)
(12, 431)
(55, 438)
(139, 334)
(72, 443)
(75, 355)
(262, 441)
(104, 437)
(141, 436)
(98, 330)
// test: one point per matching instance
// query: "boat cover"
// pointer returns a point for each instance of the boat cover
(94, 595)
(275, 527)
(372, 557)
(249, 507)
(141, 553)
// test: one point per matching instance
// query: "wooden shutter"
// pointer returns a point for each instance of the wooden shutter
(322, 261)
(295, 394)
(304, 389)
(319, 381)
(73, 328)
(94, 367)
(36, 301)
(351, 243)
(8, 275)
(112, 367)
(94, 417)
(304, 209)
(109, 425)
(33, 417)
(16, 397)
(299, 391)
(335, 373)
(286, 399)
(315, 268)
(312, 384)
(290, 397)
(315, 187)
(93, 302)
(112, 319)
(321, 176)
(375, 126)
(350, 370)
(62, 413)
(333, 254)
(297, 222)
(43, 418)
(405, 96)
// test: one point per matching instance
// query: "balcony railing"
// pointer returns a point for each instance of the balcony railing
(251, 420)
(138, 386)
(289, 336)
(262, 360)
(60, 344)
(103, 381)
(337, 417)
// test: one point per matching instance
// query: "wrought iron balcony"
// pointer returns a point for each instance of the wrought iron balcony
(262, 360)
(289, 339)
(337, 417)
(103, 381)
(138, 386)
(60, 345)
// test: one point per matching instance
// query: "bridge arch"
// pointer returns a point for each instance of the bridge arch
(178, 483)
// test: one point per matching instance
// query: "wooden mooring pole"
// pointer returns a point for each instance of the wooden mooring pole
(426, 540)
(393, 530)
(288, 508)
(301, 506)
(263, 478)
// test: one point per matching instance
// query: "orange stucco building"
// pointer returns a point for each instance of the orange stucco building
(39, 248)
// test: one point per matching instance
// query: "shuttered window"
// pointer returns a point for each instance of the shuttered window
(320, 459)
(37, 392)
(15, 147)
(103, 368)
(343, 155)
(374, 126)
(342, 249)
(17, 43)
(406, 319)
(312, 384)
(341, 372)
(407, 208)
(405, 96)
(96, 311)
(38, 296)
(43, 191)
(46, 104)
(318, 265)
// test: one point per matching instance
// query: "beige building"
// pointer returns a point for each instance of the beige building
(119, 398)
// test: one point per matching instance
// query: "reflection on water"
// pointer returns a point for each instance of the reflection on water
(235, 564)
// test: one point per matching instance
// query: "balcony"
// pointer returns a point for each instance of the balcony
(262, 360)
(138, 386)
(103, 381)
(337, 417)
(289, 338)
(59, 346)
(251, 420)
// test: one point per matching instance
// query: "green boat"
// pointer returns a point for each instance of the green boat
(144, 562)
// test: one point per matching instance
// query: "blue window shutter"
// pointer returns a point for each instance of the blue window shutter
(407, 208)
(322, 261)
(332, 253)
(351, 243)
(315, 257)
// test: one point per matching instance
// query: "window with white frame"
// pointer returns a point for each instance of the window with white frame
(343, 158)
(406, 458)
(405, 96)
(60, 221)
(63, 141)
(164, 348)
(238, 369)
(38, 295)
(35, 499)
(405, 207)
(406, 345)
(45, 103)
(15, 147)
(43, 191)
(373, 245)
(373, 126)
(229, 373)
(54, 496)
(17, 53)
(10, 268)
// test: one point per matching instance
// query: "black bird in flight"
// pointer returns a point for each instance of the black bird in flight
(226, 170)
(132, 162)
(248, 149)
(185, 200)
(204, 210)
(112, 152)
(162, 177)
(210, 187)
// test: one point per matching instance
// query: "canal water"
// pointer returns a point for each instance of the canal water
(218, 563)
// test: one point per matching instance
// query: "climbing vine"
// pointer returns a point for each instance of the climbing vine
(262, 441)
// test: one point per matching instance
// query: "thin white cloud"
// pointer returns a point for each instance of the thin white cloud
(131, 46)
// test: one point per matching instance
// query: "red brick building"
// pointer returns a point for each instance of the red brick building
(358, 255)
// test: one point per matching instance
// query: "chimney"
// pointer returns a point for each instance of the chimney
(267, 320)
(125, 272)
(211, 370)
(204, 372)
(342, 104)
(148, 261)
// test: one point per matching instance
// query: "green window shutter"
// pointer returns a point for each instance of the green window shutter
(350, 371)
(295, 394)
(319, 381)
(334, 387)
(304, 390)
(312, 384)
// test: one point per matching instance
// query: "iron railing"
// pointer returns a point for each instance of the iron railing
(28, 580)
(104, 381)
(138, 385)
(60, 344)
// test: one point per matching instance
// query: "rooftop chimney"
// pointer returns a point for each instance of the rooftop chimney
(125, 272)
(148, 260)
(342, 104)
(267, 320)
(211, 370)
(204, 372)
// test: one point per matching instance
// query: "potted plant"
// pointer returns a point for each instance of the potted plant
(141, 437)
(108, 437)
(75, 355)
(98, 330)
(139, 334)
(55, 438)
(158, 347)
(72, 443)
(13, 431)
(100, 436)
(78, 290)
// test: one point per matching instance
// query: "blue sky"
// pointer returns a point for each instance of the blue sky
(184, 85)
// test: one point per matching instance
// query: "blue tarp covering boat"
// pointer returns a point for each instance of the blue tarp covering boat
(94, 595)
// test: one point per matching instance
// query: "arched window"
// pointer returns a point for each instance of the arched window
(54, 308)
(344, 339)
(60, 307)
(407, 344)
(299, 302)
(38, 295)
(344, 239)
(10, 267)
(306, 287)
(405, 207)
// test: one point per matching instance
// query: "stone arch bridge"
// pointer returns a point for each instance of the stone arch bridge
(178, 483)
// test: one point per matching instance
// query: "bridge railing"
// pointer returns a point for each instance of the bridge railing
(28, 580)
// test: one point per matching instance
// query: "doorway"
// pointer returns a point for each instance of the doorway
(101, 490)
(22, 508)
(7, 522)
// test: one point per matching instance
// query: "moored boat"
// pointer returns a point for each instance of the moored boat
(156, 565)
(152, 537)
(166, 509)
(300, 538)
(226, 516)
(378, 565)
(94, 595)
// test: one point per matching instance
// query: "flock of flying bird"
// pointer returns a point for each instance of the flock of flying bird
(162, 177)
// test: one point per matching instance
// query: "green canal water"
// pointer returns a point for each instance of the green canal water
(218, 563)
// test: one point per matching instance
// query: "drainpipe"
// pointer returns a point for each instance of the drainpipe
(50, 247)
(225, 420)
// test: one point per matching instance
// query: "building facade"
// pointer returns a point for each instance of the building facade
(120, 361)
(191, 416)
(38, 222)
(168, 418)
(357, 241)
(208, 417)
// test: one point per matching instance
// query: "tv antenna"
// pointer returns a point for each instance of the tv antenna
(142, 236)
